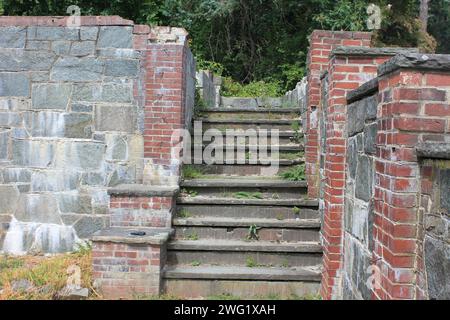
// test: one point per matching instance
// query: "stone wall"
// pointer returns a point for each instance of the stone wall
(209, 88)
(75, 121)
(358, 218)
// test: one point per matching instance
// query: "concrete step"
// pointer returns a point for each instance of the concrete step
(242, 273)
(247, 211)
(241, 102)
(262, 168)
(284, 137)
(239, 229)
(220, 181)
(245, 246)
(240, 289)
(244, 146)
(255, 202)
(272, 259)
(245, 124)
(251, 114)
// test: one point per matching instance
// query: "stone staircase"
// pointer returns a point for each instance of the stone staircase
(240, 229)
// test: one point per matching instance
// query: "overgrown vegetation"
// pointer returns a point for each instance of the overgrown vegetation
(191, 172)
(253, 232)
(261, 43)
(296, 173)
(47, 275)
(248, 195)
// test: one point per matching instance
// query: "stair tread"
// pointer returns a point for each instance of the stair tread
(281, 133)
(256, 110)
(221, 181)
(249, 121)
(241, 245)
(246, 222)
(243, 273)
(234, 201)
(267, 162)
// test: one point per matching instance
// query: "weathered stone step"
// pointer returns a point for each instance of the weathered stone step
(283, 136)
(251, 113)
(240, 102)
(238, 229)
(245, 246)
(248, 169)
(247, 211)
(244, 146)
(219, 181)
(240, 289)
(231, 222)
(242, 273)
(256, 124)
(260, 202)
(272, 259)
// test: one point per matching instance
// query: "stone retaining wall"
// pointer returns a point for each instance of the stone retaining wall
(82, 110)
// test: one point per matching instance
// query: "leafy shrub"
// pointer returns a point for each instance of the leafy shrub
(296, 173)
(231, 88)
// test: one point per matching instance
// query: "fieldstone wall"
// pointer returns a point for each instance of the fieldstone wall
(73, 121)
(358, 218)
(209, 87)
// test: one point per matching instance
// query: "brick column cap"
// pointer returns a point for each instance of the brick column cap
(143, 190)
(152, 236)
(61, 21)
(434, 150)
(416, 61)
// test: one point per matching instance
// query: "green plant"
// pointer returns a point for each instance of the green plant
(248, 195)
(291, 155)
(253, 232)
(191, 172)
(196, 263)
(285, 263)
(296, 210)
(83, 248)
(193, 236)
(200, 104)
(280, 216)
(184, 213)
(189, 193)
(251, 263)
(231, 88)
(296, 173)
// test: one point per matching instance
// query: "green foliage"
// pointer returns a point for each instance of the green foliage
(248, 195)
(190, 172)
(296, 173)
(251, 263)
(439, 24)
(349, 15)
(193, 236)
(189, 193)
(196, 263)
(184, 213)
(253, 232)
(296, 210)
(231, 88)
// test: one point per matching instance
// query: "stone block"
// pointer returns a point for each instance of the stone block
(370, 138)
(14, 104)
(4, 142)
(13, 37)
(9, 195)
(78, 125)
(108, 92)
(33, 153)
(122, 68)
(54, 180)
(14, 85)
(40, 208)
(82, 48)
(61, 47)
(86, 226)
(74, 202)
(53, 33)
(94, 179)
(437, 266)
(115, 118)
(9, 119)
(117, 147)
(16, 175)
(123, 174)
(364, 178)
(20, 60)
(51, 95)
(88, 33)
(80, 155)
(356, 117)
(44, 123)
(371, 107)
(445, 189)
(81, 107)
(115, 37)
(40, 76)
(77, 69)
(38, 45)
(352, 153)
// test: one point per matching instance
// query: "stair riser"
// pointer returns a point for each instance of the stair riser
(240, 289)
(280, 140)
(241, 233)
(266, 193)
(282, 260)
(247, 211)
(242, 170)
(250, 116)
(245, 126)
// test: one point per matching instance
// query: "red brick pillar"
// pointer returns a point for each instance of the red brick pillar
(414, 108)
(168, 61)
(321, 44)
(348, 69)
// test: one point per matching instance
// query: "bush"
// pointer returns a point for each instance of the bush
(231, 88)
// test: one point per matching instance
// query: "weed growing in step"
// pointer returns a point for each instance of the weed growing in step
(190, 172)
(248, 195)
(291, 155)
(189, 193)
(296, 211)
(296, 173)
(297, 137)
(196, 263)
(251, 263)
(280, 216)
(193, 236)
(253, 232)
(184, 213)
(285, 263)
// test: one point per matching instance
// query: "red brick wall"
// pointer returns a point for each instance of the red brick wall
(345, 73)
(414, 108)
(127, 271)
(321, 45)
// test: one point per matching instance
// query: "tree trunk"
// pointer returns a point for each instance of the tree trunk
(424, 7)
